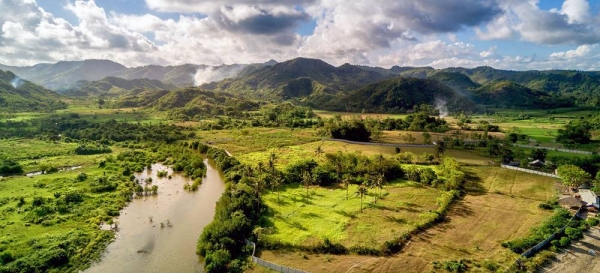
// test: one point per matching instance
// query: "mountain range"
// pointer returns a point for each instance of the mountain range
(318, 84)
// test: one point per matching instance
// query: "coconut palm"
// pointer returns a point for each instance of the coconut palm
(346, 179)
(306, 181)
(361, 192)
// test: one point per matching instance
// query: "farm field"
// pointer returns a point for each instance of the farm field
(500, 205)
(328, 214)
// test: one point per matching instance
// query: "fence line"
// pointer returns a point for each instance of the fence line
(529, 171)
(554, 149)
(541, 245)
(379, 143)
(270, 265)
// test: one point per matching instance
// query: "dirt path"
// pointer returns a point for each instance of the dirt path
(577, 258)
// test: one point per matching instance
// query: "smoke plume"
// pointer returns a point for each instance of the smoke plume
(216, 73)
(440, 105)
(16, 82)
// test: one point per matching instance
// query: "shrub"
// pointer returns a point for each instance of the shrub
(564, 242)
(593, 221)
(363, 250)
(573, 233)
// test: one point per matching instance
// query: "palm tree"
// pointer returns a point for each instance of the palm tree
(361, 191)
(379, 182)
(346, 179)
(380, 160)
(306, 181)
(259, 187)
(277, 182)
(271, 163)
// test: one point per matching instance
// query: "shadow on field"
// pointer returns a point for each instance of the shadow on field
(395, 220)
(345, 213)
(474, 184)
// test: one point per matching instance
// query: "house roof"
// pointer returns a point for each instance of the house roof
(570, 202)
(588, 196)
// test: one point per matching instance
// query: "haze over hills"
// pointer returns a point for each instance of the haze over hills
(17, 94)
(66, 74)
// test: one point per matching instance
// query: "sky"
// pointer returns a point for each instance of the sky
(505, 34)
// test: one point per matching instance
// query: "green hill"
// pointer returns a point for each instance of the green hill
(299, 77)
(113, 86)
(20, 95)
(399, 95)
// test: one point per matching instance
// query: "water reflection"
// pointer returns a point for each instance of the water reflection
(142, 245)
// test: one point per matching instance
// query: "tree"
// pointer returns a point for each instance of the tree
(440, 148)
(361, 192)
(101, 103)
(319, 151)
(346, 179)
(277, 182)
(259, 186)
(271, 163)
(573, 176)
(379, 182)
(426, 138)
(306, 181)
(513, 137)
(538, 154)
(410, 138)
(575, 133)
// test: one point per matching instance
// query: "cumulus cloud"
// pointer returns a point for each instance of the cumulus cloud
(572, 24)
(385, 32)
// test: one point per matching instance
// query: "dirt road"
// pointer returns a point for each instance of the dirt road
(578, 257)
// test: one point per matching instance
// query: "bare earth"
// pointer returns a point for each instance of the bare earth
(577, 258)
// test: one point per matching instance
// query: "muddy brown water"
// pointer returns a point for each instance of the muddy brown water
(143, 246)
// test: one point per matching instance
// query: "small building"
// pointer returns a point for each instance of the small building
(571, 203)
(589, 197)
(537, 163)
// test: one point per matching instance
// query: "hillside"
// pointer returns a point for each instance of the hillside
(20, 95)
(189, 103)
(299, 77)
(399, 95)
(113, 86)
(54, 76)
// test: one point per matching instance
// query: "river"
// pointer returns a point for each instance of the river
(143, 246)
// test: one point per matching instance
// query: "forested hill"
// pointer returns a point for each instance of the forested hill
(397, 95)
(299, 77)
(19, 95)
(113, 86)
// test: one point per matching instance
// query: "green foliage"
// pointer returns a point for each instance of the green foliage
(92, 149)
(573, 233)
(10, 167)
(575, 133)
(573, 176)
(452, 265)
(559, 219)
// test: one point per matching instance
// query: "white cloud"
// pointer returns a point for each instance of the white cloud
(385, 32)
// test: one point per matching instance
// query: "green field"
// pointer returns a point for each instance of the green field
(327, 214)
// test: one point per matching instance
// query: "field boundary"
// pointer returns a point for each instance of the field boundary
(378, 143)
(270, 265)
(529, 171)
(554, 149)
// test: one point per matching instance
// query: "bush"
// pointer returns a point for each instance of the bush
(9, 167)
(327, 247)
(92, 149)
(564, 242)
(593, 221)
(573, 233)
(363, 250)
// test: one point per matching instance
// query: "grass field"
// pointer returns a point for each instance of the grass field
(500, 205)
(327, 214)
